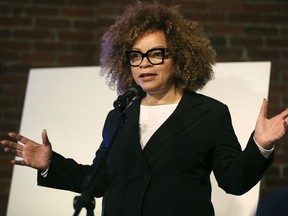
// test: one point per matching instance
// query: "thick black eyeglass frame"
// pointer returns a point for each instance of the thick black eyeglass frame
(163, 50)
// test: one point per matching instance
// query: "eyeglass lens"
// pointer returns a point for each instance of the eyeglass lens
(154, 56)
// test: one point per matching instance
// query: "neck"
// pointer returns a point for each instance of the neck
(172, 97)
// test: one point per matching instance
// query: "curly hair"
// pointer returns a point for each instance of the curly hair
(189, 46)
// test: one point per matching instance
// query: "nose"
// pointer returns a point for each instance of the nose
(145, 62)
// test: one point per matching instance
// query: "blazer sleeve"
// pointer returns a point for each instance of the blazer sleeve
(67, 174)
(237, 171)
(64, 173)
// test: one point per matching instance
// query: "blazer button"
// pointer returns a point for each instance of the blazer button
(130, 177)
(147, 177)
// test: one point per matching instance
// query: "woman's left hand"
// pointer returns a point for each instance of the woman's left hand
(268, 131)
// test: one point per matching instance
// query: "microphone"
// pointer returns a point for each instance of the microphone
(125, 100)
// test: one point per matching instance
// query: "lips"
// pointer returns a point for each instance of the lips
(146, 75)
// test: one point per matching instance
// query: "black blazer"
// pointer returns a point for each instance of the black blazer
(171, 175)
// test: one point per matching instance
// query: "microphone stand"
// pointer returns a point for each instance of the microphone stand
(86, 199)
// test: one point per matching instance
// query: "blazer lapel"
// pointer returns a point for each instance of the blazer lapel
(132, 114)
(188, 111)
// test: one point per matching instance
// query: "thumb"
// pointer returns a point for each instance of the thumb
(45, 139)
(263, 110)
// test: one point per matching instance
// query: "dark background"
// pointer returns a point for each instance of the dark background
(60, 33)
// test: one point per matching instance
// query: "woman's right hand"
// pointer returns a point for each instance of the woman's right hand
(30, 153)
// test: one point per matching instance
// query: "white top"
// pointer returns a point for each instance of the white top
(151, 118)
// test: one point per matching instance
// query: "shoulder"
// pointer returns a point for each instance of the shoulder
(204, 99)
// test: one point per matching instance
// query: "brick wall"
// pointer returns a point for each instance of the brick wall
(59, 33)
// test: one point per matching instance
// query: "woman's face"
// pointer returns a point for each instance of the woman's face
(154, 79)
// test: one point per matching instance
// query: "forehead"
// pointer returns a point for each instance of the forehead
(150, 39)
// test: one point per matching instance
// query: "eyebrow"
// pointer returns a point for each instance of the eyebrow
(136, 49)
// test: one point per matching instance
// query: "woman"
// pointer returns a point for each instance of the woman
(160, 160)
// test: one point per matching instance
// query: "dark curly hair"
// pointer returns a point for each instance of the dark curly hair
(189, 46)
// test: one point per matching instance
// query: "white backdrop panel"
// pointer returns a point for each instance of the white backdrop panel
(242, 86)
(72, 103)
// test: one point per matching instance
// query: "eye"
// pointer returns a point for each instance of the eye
(156, 54)
(135, 56)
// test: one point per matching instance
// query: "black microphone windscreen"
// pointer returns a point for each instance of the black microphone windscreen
(125, 100)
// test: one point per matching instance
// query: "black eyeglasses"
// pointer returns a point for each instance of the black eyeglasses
(155, 56)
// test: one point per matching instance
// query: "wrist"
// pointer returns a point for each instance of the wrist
(263, 144)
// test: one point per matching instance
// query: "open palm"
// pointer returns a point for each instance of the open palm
(267, 131)
(30, 153)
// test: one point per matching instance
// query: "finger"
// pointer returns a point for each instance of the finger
(13, 152)
(264, 109)
(284, 114)
(19, 137)
(45, 139)
(5, 143)
(7, 149)
(12, 145)
(19, 162)
(285, 123)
